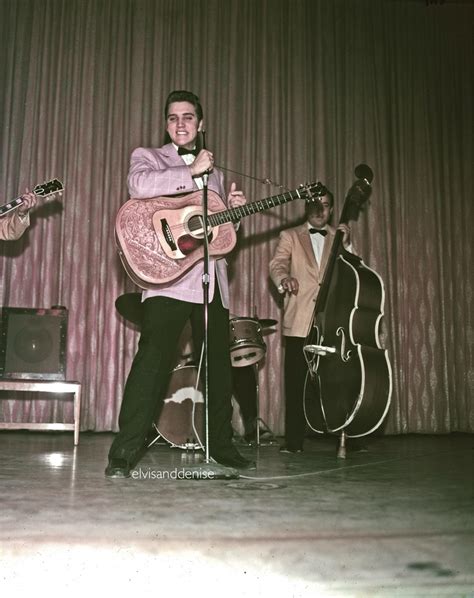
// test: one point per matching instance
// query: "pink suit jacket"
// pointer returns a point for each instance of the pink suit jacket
(155, 172)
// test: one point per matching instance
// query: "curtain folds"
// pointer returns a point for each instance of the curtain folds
(293, 91)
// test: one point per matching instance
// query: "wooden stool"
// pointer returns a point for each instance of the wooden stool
(48, 386)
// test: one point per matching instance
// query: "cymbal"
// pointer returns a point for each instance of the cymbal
(129, 307)
(267, 322)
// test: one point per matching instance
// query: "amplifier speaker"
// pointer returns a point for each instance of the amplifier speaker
(33, 343)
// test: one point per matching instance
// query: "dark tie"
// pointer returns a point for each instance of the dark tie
(182, 151)
(318, 230)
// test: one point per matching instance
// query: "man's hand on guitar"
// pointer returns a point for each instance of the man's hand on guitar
(235, 198)
(346, 240)
(29, 201)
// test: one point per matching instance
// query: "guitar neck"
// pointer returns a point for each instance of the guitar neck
(10, 206)
(235, 214)
(46, 190)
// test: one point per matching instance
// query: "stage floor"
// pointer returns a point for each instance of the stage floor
(396, 520)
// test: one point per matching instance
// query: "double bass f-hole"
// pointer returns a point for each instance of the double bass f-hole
(345, 355)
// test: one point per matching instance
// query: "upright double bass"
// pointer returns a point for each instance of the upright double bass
(349, 379)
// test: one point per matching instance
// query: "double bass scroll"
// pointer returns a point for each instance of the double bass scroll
(349, 372)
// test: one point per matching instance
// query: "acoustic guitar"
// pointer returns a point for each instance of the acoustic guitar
(161, 238)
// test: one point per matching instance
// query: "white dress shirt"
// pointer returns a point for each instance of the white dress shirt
(317, 242)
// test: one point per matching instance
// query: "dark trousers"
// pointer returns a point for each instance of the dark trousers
(147, 382)
(245, 392)
(295, 374)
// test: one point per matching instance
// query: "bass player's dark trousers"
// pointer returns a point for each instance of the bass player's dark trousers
(295, 374)
(163, 321)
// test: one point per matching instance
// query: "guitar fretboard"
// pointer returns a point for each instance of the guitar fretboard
(235, 214)
(48, 189)
(12, 205)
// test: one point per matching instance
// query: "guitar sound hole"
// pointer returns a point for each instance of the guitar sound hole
(195, 226)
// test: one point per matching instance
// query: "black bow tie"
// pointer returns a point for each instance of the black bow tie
(313, 231)
(182, 151)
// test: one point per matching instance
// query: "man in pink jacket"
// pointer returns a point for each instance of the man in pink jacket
(173, 169)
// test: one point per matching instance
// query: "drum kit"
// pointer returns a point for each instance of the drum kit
(181, 420)
(247, 346)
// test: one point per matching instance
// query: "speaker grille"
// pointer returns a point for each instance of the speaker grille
(33, 343)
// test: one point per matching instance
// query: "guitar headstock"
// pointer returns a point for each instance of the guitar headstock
(312, 192)
(49, 189)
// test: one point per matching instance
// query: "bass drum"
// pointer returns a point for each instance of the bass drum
(181, 421)
(247, 346)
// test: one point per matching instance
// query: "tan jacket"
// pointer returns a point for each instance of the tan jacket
(12, 227)
(294, 257)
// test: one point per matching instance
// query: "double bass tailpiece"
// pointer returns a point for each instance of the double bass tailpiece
(319, 349)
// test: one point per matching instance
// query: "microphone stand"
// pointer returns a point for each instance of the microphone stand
(205, 290)
(210, 469)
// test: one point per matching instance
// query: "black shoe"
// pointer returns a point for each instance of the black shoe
(232, 458)
(117, 468)
(285, 449)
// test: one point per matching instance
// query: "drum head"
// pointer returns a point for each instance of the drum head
(181, 421)
(247, 346)
(246, 354)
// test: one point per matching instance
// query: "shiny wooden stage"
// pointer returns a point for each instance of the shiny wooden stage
(396, 520)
